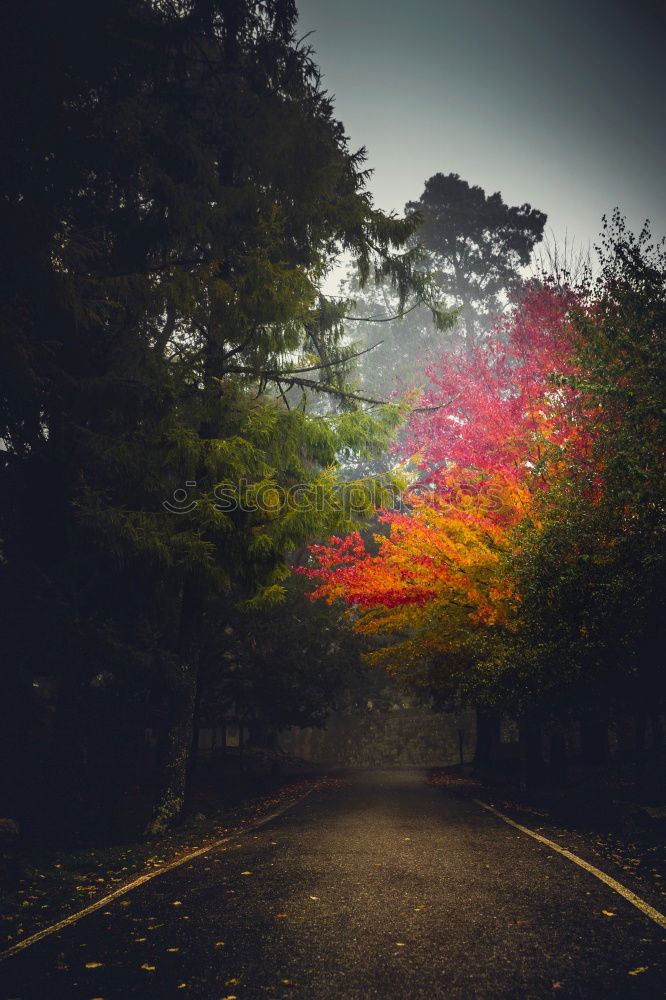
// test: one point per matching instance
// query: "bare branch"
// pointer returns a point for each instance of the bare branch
(440, 406)
(330, 364)
(383, 319)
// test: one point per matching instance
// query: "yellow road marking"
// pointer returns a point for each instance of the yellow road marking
(74, 917)
(622, 890)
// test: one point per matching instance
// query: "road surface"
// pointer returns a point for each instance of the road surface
(386, 888)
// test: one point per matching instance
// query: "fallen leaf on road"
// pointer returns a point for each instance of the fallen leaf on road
(281, 914)
(246, 873)
(177, 902)
(637, 972)
(314, 897)
(94, 965)
(182, 986)
(419, 908)
(609, 913)
(400, 944)
(219, 944)
(148, 968)
(173, 949)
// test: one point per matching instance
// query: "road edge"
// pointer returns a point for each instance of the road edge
(73, 918)
(631, 897)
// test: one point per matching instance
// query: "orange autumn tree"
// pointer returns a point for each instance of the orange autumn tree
(438, 581)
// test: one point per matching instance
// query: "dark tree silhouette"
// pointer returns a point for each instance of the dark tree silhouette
(475, 245)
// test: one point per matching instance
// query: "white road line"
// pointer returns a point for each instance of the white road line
(630, 896)
(98, 904)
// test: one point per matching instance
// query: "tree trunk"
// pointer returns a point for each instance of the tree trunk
(531, 754)
(470, 332)
(177, 743)
(487, 738)
(594, 740)
(196, 724)
(67, 772)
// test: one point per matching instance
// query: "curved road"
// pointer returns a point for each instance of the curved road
(387, 888)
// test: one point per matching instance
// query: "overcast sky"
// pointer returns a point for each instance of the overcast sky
(553, 102)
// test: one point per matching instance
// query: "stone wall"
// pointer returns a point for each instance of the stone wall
(402, 737)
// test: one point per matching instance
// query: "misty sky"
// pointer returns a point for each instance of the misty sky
(554, 102)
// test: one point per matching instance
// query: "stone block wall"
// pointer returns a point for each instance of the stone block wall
(403, 737)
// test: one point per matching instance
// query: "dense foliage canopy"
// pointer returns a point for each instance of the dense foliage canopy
(525, 572)
(175, 188)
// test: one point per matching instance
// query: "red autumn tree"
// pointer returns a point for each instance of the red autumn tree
(500, 408)
(480, 444)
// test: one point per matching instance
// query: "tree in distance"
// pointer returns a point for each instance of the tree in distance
(475, 245)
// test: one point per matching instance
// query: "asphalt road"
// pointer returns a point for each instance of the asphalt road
(386, 888)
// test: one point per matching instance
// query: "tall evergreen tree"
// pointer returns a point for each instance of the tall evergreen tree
(176, 185)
